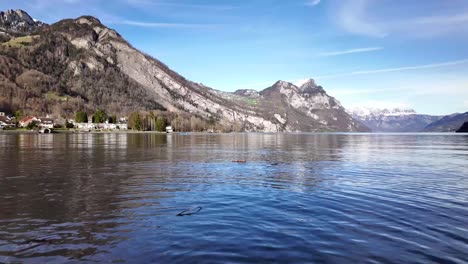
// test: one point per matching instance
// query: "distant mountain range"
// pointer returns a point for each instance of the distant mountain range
(392, 120)
(80, 64)
(450, 123)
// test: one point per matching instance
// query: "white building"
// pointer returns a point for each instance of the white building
(104, 126)
(108, 126)
(46, 122)
(84, 126)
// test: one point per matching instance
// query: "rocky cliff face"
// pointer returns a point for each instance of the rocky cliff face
(304, 108)
(17, 22)
(92, 66)
(448, 123)
(392, 120)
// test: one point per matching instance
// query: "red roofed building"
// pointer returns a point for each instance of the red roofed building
(24, 122)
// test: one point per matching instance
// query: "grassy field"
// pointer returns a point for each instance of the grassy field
(251, 102)
(55, 96)
(20, 41)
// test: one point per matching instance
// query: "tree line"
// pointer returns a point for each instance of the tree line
(180, 122)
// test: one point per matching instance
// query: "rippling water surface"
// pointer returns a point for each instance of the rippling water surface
(326, 198)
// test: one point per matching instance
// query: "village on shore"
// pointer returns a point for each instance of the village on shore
(99, 122)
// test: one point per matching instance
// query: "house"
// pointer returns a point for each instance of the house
(85, 126)
(109, 126)
(169, 129)
(25, 121)
(5, 121)
(104, 126)
(46, 122)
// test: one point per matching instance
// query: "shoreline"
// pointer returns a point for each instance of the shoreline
(221, 133)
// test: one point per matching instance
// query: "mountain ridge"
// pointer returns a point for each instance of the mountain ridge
(17, 22)
(88, 65)
(449, 123)
(392, 120)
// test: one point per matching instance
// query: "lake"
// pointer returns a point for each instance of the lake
(297, 198)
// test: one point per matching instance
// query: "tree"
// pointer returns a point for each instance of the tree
(113, 119)
(138, 124)
(68, 124)
(134, 121)
(160, 124)
(81, 117)
(212, 120)
(196, 124)
(19, 115)
(31, 125)
(99, 116)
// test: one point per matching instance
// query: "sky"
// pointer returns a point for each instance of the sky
(366, 53)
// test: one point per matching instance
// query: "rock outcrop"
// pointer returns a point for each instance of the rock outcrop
(18, 21)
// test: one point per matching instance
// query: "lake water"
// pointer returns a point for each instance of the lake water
(298, 198)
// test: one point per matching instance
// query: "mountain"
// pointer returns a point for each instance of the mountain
(448, 123)
(80, 64)
(392, 120)
(17, 23)
(463, 128)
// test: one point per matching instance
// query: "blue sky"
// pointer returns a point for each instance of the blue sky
(378, 53)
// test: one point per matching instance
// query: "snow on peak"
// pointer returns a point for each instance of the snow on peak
(368, 111)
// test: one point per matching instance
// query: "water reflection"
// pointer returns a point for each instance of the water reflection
(298, 197)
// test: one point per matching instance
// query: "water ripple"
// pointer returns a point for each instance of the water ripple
(298, 198)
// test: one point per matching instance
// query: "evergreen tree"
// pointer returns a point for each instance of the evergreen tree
(81, 117)
(138, 124)
(160, 124)
(100, 116)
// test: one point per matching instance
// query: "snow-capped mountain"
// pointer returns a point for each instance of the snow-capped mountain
(368, 111)
(392, 120)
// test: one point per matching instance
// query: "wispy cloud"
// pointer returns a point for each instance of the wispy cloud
(312, 2)
(373, 19)
(350, 51)
(162, 24)
(397, 69)
(352, 16)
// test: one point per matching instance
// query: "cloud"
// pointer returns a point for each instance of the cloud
(162, 24)
(350, 51)
(351, 16)
(379, 19)
(313, 2)
(398, 69)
